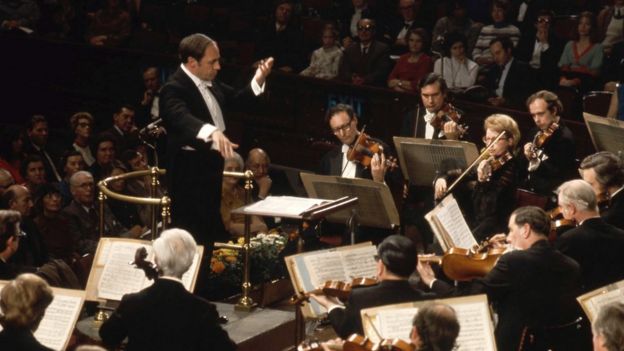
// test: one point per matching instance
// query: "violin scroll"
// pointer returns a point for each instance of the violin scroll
(151, 272)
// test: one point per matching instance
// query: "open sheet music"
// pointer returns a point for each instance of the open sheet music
(449, 225)
(594, 300)
(283, 206)
(113, 275)
(60, 317)
(310, 270)
(395, 321)
(607, 134)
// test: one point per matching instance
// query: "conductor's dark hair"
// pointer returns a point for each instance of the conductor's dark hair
(193, 46)
(398, 254)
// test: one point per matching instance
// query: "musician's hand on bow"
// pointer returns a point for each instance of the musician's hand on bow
(451, 130)
(263, 70)
(326, 301)
(498, 241)
(378, 167)
(528, 151)
(440, 187)
(223, 144)
(484, 171)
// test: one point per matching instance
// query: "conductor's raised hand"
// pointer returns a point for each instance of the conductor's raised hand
(223, 144)
(263, 70)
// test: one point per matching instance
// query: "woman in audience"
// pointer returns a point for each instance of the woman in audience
(110, 26)
(11, 151)
(34, 173)
(53, 227)
(581, 59)
(23, 302)
(458, 70)
(326, 59)
(105, 150)
(135, 161)
(412, 66)
(71, 162)
(500, 28)
(82, 125)
(125, 212)
(233, 197)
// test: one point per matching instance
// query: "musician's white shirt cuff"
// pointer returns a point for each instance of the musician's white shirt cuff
(533, 165)
(256, 88)
(334, 307)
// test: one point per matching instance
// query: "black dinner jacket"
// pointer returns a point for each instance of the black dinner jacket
(414, 124)
(331, 164)
(614, 214)
(373, 67)
(184, 110)
(597, 246)
(347, 321)
(20, 340)
(165, 316)
(534, 287)
(519, 83)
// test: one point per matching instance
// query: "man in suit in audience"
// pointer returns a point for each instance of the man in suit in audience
(533, 289)
(192, 106)
(548, 161)
(594, 244)
(604, 171)
(9, 242)
(37, 144)
(185, 322)
(124, 132)
(396, 260)
(510, 80)
(366, 62)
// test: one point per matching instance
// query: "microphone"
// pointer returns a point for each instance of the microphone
(150, 127)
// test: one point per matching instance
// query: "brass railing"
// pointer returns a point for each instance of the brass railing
(245, 303)
(163, 202)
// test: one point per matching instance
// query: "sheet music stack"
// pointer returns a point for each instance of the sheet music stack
(449, 225)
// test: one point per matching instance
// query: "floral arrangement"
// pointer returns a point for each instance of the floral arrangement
(226, 265)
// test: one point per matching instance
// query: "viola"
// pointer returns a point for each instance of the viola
(364, 149)
(150, 269)
(396, 345)
(463, 264)
(558, 224)
(498, 162)
(357, 342)
(336, 288)
(448, 113)
(542, 136)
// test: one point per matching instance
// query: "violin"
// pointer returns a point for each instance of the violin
(336, 288)
(364, 149)
(541, 137)
(464, 264)
(494, 163)
(448, 113)
(558, 224)
(357, 342)
(150, 269)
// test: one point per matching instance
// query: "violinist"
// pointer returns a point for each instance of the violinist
(604, 171)
(596, 245)
(396, 261)
(550, 155)
(533, 289)
(165, 316)
(492, 199)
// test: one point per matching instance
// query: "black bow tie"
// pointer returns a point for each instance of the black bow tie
(618, 14)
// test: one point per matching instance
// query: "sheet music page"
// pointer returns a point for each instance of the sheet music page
(104, 252)
(474, 334)
(283, 205)
(451, 217)
(396, 323)
(323, 267)
(119, 277)
(360, 262)
(595, 303)
(58, 322)
(187, 278)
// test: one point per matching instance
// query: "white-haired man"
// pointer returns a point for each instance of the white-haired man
(594, 244)
(165, 316)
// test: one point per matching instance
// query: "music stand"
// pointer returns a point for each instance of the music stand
(420, 158)
(607, 134)
(375, 207)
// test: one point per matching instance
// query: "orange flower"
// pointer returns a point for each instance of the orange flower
(216, 266)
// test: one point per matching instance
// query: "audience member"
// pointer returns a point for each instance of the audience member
(233, 197)
(6, 180)
(533, 289)
(501, 28)
(186, 322)
(604, 171)
(34, 173)
(11, 151)
(365, 62)
(19, 15)
(81, 124)
(23, 302)
(111, 25)
(71, 162)
(435, 327)
(524, 13)
(349, 32)
(10, 234)
(149, 103)
(37, 145)
(610, 24)
(581, 59)
(325, 60)
(282, 40)
(410, 17)
(396, 261)
(53, 227)
(509, 80)
(105, 152)
(31, 251)
(126, 213)
(608, 328)
(414, 65)
(123, 132)
(458, 71)
(594, 244)
(456, 21)
(141, 187)
(540, 47)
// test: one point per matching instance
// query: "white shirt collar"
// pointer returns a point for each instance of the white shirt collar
(168, 277)
(198, 82)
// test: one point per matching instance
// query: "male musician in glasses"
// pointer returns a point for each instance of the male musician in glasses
(533, 289)
(550, 155)
(604, 171)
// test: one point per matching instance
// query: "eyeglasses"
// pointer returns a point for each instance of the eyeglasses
(488, 140)
(366, 28)
(343, 128)
(543, 20)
